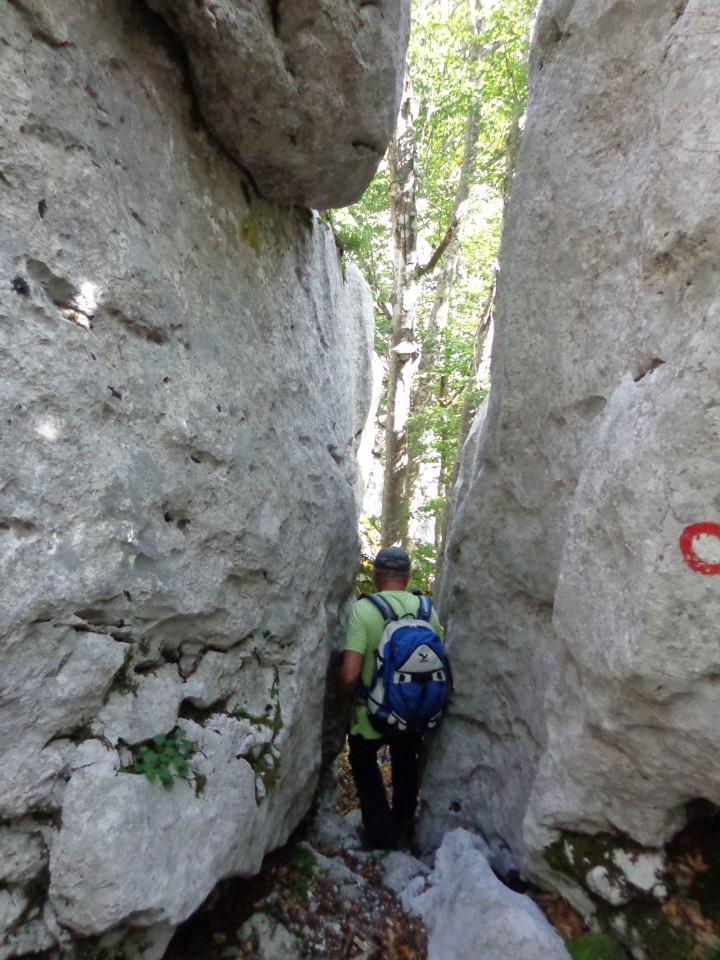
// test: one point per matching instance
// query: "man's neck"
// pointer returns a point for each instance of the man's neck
(392, 586)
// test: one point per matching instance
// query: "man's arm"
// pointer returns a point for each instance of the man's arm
(353, 659)
(349, 674)
(350, 671)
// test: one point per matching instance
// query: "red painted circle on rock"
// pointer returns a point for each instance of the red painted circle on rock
(689, 538)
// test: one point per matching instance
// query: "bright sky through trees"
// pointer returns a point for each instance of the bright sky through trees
(426, 237)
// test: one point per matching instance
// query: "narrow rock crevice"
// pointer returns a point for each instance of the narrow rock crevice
(274, 6)
(679, 11)
(39, 29)
(649, 368)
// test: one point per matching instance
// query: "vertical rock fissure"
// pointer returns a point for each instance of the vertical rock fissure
(274, 6)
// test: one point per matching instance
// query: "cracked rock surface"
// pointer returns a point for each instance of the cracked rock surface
(581, 596)
(302, 93)
(184, 379)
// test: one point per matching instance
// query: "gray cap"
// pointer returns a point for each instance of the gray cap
(392, 558)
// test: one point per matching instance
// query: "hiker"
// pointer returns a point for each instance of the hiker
(385, 828)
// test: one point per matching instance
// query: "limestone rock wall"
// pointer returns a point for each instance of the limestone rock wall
(303, 93)
(185, 372)
(579, 588)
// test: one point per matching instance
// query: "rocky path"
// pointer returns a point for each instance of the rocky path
(321, 896)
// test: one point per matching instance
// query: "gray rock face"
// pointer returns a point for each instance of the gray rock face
(470, 913)
(303, 93)
(274, 941)
(184, 376)
(579, 591)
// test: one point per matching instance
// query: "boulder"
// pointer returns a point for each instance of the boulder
(469, 913)
(173, 843)
(185, 372)
(580, 586)
(303, 95)
(270, 939)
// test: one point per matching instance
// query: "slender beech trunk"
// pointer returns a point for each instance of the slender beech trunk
(467, 415)
(445, 262)
(412, 382)
(469, 407)
(403, 355)
(446, 271)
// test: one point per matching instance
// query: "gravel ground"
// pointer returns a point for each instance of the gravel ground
(322, 898)
(328, 897)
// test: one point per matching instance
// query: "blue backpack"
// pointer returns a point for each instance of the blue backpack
(411, 679)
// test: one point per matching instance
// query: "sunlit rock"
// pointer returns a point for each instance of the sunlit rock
(580, 586)
(185, 373)
(303, 94)
(470, 913)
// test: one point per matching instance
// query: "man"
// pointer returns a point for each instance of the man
(384, 827)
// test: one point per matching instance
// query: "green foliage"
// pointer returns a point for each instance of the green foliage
(164, 758)
(683, 925)
(303, 865)
(659, 938)
(423, 566)
(362, 232)
(422, 556)
(35, 892)
(267, 767)
(458, 69)
(485, 73)
(369, 530)
(595, 946)
(124, 681)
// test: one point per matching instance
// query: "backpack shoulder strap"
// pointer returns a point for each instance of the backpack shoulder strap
(383, 606)
(424, 609)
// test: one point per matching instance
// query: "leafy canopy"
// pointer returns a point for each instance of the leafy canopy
(458, 68)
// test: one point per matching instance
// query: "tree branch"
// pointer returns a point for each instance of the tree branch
(440, 249)
(511, 76)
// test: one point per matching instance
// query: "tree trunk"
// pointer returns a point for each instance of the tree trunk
(437, 322)
(469, 408)
(445, 261)
(403, 356)
(467, 415)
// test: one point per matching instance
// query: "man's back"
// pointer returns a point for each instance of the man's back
(364, 632)
(384, 826)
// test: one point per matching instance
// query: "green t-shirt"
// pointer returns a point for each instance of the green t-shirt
(364, 631)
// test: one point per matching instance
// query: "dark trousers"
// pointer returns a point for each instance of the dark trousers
(382, 823)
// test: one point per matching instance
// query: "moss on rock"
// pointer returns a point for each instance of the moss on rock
(676, 919)
(595, 946)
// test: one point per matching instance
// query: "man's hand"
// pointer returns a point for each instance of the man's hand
(350, 670)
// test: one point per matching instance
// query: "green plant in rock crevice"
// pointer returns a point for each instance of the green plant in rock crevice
(124, 683)
(304, 865)
(266, 766)
(164, 758)
(682, 923)
(595, 946)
